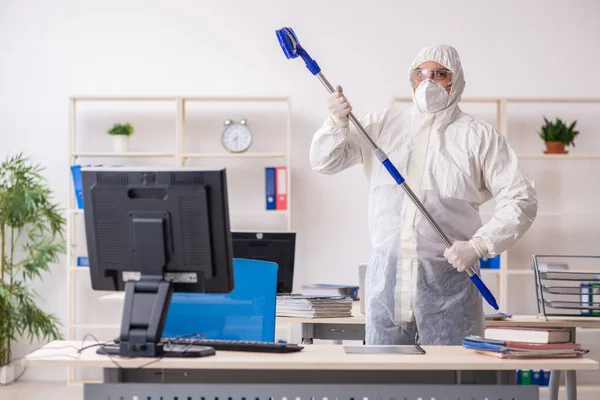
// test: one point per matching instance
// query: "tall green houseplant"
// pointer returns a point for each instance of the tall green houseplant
(31, 231)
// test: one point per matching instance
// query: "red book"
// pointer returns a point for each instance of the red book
(281, 179)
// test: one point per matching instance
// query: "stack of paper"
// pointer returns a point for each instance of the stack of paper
(331, 290)
(314, 306)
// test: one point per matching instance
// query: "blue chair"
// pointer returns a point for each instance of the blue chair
(247, 313)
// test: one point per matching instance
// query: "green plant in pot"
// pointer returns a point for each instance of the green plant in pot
(31, 234)
(557, 135)
(120, 134)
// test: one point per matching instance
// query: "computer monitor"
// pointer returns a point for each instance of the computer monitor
(278, 247)
(151, 232)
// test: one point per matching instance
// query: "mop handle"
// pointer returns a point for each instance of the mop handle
(383, 158)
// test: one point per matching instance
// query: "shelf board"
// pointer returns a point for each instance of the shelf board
(520, 272)
(249, 212)
(518, 100)
(569, 214)
(184, 98)
(552, 100)
(237, 99)
(118, 296)
(83, 382)
(556, 214)
(489, 271)
(234, 155)
(258, 212)
(542, 156)
(112, 154)
(123, 98)
(107, 326)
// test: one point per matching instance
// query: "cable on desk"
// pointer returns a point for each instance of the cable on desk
(47, 348)
(99, 344)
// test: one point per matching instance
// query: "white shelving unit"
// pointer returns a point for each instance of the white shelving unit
(182, 156)
(502, 123)
(511, 279)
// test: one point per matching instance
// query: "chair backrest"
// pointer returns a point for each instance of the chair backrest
(246, 313)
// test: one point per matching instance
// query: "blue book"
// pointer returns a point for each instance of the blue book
(270, 187)
(76, 172)
(484, 346)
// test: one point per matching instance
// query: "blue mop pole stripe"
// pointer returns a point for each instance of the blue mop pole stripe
(393, 171)
(485, 292)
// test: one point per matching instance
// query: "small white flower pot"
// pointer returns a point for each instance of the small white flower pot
(7, 374)
(120, 143)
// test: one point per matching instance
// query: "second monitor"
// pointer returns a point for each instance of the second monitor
(278, 247)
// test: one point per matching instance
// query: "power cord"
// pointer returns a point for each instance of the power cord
(25, 368)
(167, 341)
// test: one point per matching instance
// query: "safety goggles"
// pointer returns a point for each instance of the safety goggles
(440, 75)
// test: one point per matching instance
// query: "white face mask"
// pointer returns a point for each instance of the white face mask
(431, 96)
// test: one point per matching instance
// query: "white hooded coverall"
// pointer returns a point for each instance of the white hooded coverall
(454, 164)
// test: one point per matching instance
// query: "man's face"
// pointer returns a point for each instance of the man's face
(431, 70)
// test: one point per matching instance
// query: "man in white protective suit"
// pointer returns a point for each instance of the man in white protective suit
(415, 287)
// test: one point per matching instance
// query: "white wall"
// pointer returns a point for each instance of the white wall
(51, 50)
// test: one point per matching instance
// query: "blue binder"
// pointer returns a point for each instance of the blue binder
(492, 263)
(76, 172)
(247, 313)
(270, 188)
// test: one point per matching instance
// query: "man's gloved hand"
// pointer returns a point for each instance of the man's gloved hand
(463, 255)
(339, 107)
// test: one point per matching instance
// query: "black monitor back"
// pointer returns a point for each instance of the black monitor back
(194, 208)
(278, 247)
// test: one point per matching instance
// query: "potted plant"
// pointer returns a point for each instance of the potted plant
(120, 134)
(31, 234)
(556, 135)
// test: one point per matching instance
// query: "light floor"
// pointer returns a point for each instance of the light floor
(41, 391)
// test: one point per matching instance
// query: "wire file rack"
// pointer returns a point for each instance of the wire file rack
(567, 285)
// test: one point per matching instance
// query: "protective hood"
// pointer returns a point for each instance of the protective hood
(448, 57)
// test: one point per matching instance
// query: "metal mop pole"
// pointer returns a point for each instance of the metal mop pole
(292, 49)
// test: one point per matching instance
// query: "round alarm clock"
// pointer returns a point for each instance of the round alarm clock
(236, 137)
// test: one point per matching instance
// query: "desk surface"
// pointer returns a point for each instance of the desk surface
(314, 357)
(521, 321)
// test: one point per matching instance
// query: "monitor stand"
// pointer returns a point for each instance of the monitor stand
(147, 301)
(144, 314)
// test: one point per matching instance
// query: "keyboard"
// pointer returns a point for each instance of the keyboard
(240, 345)
(235, 345)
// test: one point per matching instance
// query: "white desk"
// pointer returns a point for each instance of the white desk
(353, 328)
(317, 371)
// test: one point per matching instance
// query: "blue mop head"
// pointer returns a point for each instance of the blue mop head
(291, 48)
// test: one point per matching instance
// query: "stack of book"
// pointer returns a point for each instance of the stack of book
(525, 343)
(314, 306)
